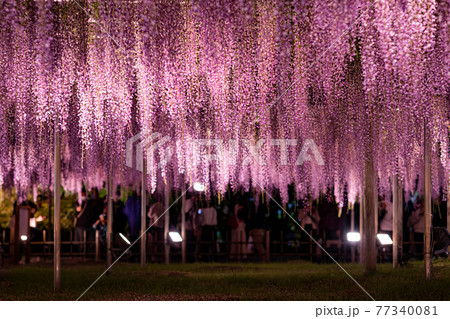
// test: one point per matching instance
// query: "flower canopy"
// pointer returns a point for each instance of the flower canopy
(358, 77)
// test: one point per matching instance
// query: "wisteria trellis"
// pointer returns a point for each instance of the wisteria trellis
(223, 69)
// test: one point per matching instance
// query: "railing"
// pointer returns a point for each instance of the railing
(69, 248)
(275, 249)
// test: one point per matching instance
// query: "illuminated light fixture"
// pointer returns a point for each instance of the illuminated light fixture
(175, 236)
(199, 187)
(384, 239)
(124, 238)
(353, 237)
(24, 237)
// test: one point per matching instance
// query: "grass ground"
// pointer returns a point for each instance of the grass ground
(276, 281)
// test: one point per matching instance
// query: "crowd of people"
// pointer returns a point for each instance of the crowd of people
(237, 223)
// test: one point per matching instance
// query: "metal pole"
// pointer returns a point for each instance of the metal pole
(57, 214)
(44, 234)
(110, 221)
(400, 219)
(427, 204)
(143, 213)
(395, 216)
(97, 245)
(183, 223)
(166, 225)
(49, 201)
(352, 229)
(370, 205)
(361, 228)
(85, 243)
(448, 204)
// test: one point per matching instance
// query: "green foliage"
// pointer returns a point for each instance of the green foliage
(68, 200)
(7, 198)
(67, 212)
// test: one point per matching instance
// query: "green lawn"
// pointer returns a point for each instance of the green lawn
(276, 281)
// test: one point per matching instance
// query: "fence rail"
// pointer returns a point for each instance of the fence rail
(274, 249)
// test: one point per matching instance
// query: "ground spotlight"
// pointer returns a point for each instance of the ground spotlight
(384, 239)
(124, 238)
(175, 236)
(199, 187)
(353, 237)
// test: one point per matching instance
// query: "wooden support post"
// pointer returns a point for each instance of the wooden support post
(397, 233)
(376, 214)
(166, 225)
(395, 216)
(97, 245)
(427, 204)
(370, 214)
(361, 228)
(49, 202)
(109, 227)
(448, 204)
(352, 229)
(44, 234)
(28, 234)
(57, 213)
(14, 248)
(85, 243)
(144, 213)
(400, 220)
(183, 223)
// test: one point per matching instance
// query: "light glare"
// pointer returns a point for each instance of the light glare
(175, 236)
(125, 239)
(384, 239)
(353, 236)
(199, 187)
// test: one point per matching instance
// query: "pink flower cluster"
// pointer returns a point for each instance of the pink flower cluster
(359, 78)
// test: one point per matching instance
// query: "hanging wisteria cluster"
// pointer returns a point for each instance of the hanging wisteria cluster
(360, 78)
